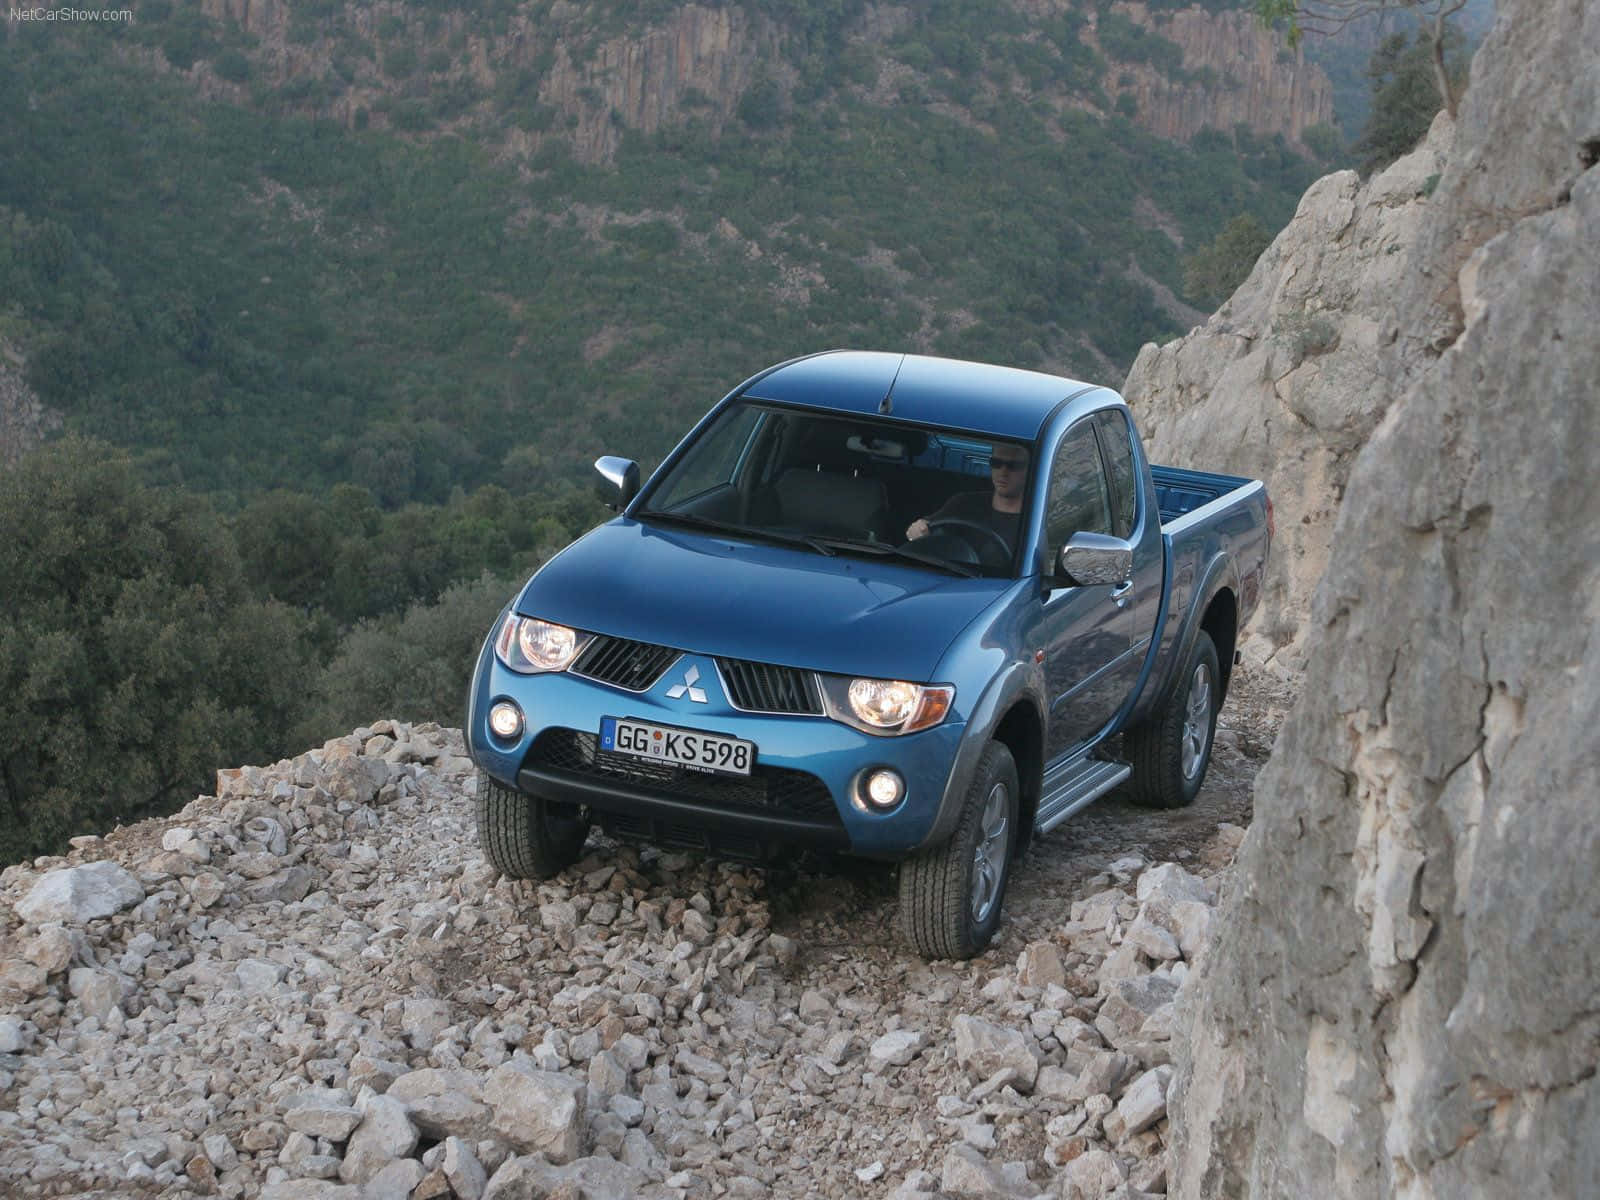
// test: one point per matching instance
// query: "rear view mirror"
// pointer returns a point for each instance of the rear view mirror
(619, 481)
(1092, 559)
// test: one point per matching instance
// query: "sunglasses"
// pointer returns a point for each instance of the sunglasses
(1008, 464)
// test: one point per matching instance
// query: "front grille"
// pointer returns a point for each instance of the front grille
(775, 790)
(761, 687)
(623, 663)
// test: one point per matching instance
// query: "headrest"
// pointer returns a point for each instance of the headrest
(829, 500)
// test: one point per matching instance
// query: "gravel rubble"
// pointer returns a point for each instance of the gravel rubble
(312, 985)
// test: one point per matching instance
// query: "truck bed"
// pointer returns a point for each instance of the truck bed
(1180, 492)
(1212, 526)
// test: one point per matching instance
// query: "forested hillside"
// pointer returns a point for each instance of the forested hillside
(264, 296)
(374, 284)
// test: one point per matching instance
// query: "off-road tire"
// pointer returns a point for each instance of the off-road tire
(936, 886)
(527, 837)
(1156, 749)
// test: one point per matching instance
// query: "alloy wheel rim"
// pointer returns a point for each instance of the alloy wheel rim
(1197, 721)
(989, 855)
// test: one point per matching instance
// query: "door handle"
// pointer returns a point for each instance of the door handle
(1121, 593)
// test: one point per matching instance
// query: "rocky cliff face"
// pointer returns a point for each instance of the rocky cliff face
(698, 62)
(1401, 997)
(1285, 382)
(1239, 74)
(24, 421)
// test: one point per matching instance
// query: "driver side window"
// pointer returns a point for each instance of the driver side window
(1078, 500)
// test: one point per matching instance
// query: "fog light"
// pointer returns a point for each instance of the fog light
(885, 789)
(505, 719)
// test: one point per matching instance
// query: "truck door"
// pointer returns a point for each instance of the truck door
(1139, 523)
(1084, 632)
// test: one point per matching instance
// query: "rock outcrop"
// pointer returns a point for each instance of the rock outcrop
(584, 77)
(1286, 381)
(1400, 998)
(24, 420)
(1235, 73)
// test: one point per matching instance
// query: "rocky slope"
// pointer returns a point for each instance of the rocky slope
(1401, 998)
(312, 985)
(24, 421)
(1286, 381)
(599, 77)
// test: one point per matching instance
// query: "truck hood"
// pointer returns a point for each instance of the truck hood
(716, 595)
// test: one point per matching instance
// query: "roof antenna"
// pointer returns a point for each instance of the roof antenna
(886, 405)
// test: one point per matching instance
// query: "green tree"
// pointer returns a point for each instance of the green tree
(133, 661)
(288, 542)
(1326, 17)
(414, 668)
(1216, 269)
(1405, 96)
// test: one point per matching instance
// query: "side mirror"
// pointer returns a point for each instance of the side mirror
(619, 481)
(1091, 559)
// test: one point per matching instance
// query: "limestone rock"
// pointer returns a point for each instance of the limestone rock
(50, 950)
(15, 1034)
(1171, 884)
(1039, 965)
(310, 1189)
(1285, 382)
(984, 1048)
(1402, 981)
(396, 1181)
(596, 1178)
(385, 1134)
(1091, 1176)
(897, 1048)
(463, 1170)
(536, 1111)
(74, 895)
(1145, 1101)
(318, 1119)
(966, 1171)
(98, 991)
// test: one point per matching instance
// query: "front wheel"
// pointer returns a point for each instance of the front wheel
(1171, 751)
(526, 837)
(950, 896)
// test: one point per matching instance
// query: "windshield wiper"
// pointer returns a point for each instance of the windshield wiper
(885, 550)
(706, 523)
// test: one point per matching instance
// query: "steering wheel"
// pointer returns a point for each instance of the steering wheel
(964, 525)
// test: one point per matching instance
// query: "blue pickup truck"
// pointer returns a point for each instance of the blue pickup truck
(888, 605)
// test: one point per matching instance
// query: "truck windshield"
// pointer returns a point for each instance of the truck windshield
(952, 500)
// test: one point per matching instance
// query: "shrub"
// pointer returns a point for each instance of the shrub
(233, 66)
(1213, 272)
(415, 668)
(133, 660)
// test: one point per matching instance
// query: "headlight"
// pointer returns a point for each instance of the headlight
(886, 706)
(529, 645)
(886, 703)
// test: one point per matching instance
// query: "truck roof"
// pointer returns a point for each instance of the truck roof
(998, 401)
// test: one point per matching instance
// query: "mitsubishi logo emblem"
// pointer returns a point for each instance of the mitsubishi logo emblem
(690, 678)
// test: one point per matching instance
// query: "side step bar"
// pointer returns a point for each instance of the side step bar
(1074, 785)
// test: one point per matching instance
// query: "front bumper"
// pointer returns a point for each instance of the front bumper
(807, 767)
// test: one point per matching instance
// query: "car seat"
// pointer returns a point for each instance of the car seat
(832, 503)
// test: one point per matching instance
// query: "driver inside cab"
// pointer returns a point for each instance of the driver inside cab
(999, 510)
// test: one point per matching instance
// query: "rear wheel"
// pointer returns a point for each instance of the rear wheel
(951, 895)
(527, 837)
(1170, 752)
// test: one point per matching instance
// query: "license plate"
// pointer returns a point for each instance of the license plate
(692, 748)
